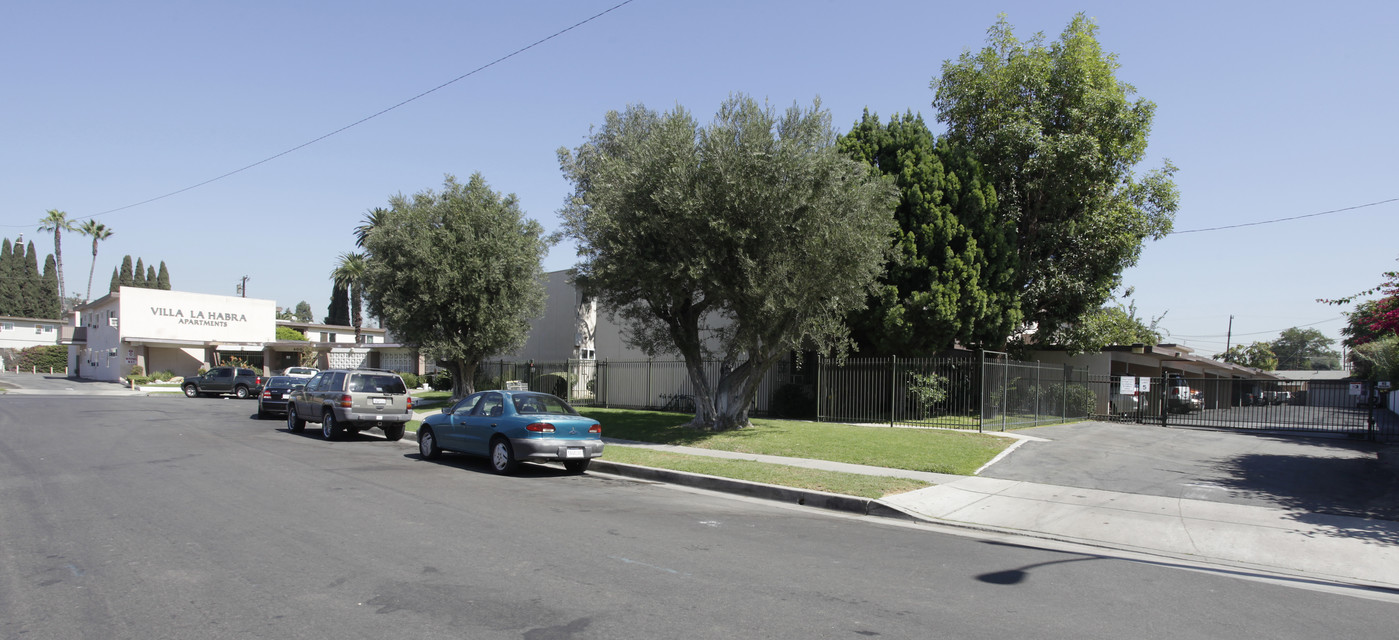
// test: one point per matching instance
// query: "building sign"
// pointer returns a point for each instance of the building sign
(1127, 386)
(1357, 388)
(199, 317)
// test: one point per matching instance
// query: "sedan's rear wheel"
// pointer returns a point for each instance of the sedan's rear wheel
(503, 457)
(427, 443)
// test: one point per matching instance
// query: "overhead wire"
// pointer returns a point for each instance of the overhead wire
(361, 120)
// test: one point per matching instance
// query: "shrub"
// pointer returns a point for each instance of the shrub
(288, 334)
(53, 356)
(163, 376)
(410, 380)
(927, 391)
(441, 381)
(136, 371)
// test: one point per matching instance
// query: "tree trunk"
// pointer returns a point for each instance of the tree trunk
(463, 377)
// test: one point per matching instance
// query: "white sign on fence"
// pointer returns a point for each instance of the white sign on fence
(1357, 388)
(1143, 384)
(1127, 386)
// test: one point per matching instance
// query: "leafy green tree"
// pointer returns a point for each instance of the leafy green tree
(57, 222)
(49, 305)
(139, 276)
(303, 311)
(351, 273)
(288, 334)
(952, 280)
(338, 312)
(127, 279)
(162, 279)
(98, 232)
(484, 284)
(756, 219)
(1299, 348)
(1109, 325)
(1059, 137)
(1258, 355)
(1378, 359)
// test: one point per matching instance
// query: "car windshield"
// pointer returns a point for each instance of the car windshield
(526, 403)
(376, 383)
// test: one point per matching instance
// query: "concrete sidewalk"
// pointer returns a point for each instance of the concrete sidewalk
(1343, 550)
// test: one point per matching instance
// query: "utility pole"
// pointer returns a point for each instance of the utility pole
(1229, 336)
(243, 288)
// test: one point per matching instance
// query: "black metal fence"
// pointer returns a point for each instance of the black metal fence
(987, 392)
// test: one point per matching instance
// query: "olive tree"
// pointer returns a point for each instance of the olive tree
(738, 241)
(456, 274)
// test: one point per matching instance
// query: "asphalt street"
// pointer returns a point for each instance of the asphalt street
(188, 518)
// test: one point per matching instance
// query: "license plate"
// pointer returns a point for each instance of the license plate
(379, 402)
(573, 452)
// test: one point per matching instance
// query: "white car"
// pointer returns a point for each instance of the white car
(301, 372)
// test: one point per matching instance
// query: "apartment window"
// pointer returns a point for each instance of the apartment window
(8, 326)
(48, 328)
(38, 328)
(369, 339)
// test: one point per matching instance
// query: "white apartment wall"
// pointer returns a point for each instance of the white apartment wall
(564, 331)
(22, 333)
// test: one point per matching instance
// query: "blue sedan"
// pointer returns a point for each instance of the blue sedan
(509, 427)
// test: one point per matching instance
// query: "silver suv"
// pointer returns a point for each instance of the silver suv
(351, 400)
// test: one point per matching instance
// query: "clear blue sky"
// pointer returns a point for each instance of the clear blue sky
(1270, 110)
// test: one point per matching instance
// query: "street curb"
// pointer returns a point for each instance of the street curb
(789, 495)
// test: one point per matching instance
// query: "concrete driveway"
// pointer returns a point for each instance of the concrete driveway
(1317, 474)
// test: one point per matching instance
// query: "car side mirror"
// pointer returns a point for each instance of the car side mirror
(446, 409)
(298, 387)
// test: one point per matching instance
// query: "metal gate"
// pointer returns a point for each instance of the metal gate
(1261, 405)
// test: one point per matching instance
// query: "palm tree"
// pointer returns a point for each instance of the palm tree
(372, 218)
(57, 222)
(98, 232)
(352, 272)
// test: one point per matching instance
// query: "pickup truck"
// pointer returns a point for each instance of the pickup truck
(243, 383)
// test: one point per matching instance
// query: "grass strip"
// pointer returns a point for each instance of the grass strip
(852, 484)
(937, 451)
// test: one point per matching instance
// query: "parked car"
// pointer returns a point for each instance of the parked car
(1123, 404)
(238, 381)
(1197, 400)
(351, 400)
(509, 427)
(301, 372)
(273, 399)
(1178, 395)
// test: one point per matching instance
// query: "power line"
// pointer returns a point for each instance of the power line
(1259, 333)
(1309, 215)
(366, 118)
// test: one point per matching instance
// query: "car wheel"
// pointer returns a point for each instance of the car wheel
(294, 424)
(190, 391)
(577, 466)
(241, 392)
(503, 457)
(394, 433)
(427, 444)
(261, 415)
(329, 430)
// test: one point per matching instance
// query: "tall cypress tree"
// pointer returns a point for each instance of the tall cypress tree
(33, 298)
(162, 280)
(9, 288)
(50, 305)
(139, 276)
(126, 280)
(116, 282)
(339, 309)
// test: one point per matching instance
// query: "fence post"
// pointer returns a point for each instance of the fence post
(893, 382)
(1161, 393)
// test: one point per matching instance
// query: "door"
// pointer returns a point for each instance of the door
(449, 435)
(220, 380)
(478, 427)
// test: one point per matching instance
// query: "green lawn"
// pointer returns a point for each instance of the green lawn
(850, 484)
(915, 449)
